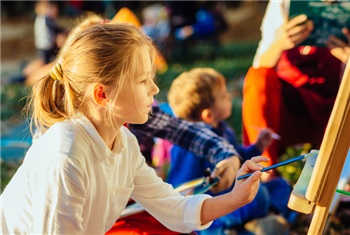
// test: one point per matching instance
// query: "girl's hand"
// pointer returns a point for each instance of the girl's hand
(243, 193)
(339, 48)
(246, 189)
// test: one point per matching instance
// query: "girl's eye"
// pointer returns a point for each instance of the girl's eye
(144, 81)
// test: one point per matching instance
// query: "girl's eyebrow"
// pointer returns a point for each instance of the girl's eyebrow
(142, 75)
(150, 74)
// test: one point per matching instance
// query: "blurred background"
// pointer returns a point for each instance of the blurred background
(228, 46)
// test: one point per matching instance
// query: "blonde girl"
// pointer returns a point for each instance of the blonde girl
(79, 175)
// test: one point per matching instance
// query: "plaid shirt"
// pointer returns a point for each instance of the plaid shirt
(194, 137)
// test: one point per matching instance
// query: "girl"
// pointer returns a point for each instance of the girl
(79, 175)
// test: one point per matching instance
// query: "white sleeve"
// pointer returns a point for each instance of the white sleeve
(176, 212)
(275, 13)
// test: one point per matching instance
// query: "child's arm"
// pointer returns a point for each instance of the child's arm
(193, 137)
(196, 138)
(242, 193)
(184, 214)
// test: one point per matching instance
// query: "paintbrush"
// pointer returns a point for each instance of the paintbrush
(273, 135)
(295, 159)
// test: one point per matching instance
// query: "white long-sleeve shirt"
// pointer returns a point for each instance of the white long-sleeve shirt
(71, 183)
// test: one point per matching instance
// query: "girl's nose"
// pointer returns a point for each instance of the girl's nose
(154, 88)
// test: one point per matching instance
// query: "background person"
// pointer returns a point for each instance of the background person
(291, 88)
(200, 95)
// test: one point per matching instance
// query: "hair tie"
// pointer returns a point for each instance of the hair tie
(56, 72)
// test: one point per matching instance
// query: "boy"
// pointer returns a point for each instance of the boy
(201, 95)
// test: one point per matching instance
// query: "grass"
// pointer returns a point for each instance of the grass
(12, 100)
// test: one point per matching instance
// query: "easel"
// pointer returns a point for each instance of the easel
(317, 183)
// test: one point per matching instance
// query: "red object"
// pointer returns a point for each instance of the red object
(139, 224)
(294, 99)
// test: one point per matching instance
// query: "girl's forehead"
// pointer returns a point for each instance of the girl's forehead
(143, 54)
(144, 64)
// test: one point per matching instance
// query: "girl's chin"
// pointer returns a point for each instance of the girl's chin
(142, 120)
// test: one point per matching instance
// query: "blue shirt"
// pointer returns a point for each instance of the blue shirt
(186, 166)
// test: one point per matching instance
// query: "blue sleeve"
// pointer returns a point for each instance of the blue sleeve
(184, 166)
(248, 152)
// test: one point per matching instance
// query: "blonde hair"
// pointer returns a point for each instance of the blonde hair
(193, 91)
(87, 20)
(101, 54)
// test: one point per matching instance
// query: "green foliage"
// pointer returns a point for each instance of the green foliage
(12, 99)
(292, 171)
(8, 169)
(232, 60)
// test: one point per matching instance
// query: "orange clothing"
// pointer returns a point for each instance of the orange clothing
(294, 99)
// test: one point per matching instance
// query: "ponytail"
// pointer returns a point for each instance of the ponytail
(51, 100)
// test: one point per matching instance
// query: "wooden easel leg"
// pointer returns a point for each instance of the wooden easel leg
(319, 220)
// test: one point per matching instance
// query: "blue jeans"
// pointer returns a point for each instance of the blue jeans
(279, 191)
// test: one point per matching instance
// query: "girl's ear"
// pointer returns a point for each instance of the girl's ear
(99, 95)
(207, 116)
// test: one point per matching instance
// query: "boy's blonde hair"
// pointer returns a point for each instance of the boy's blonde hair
(101, 54)
(193, 91)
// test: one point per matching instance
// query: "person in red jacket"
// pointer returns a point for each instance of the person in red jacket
(291, 88)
